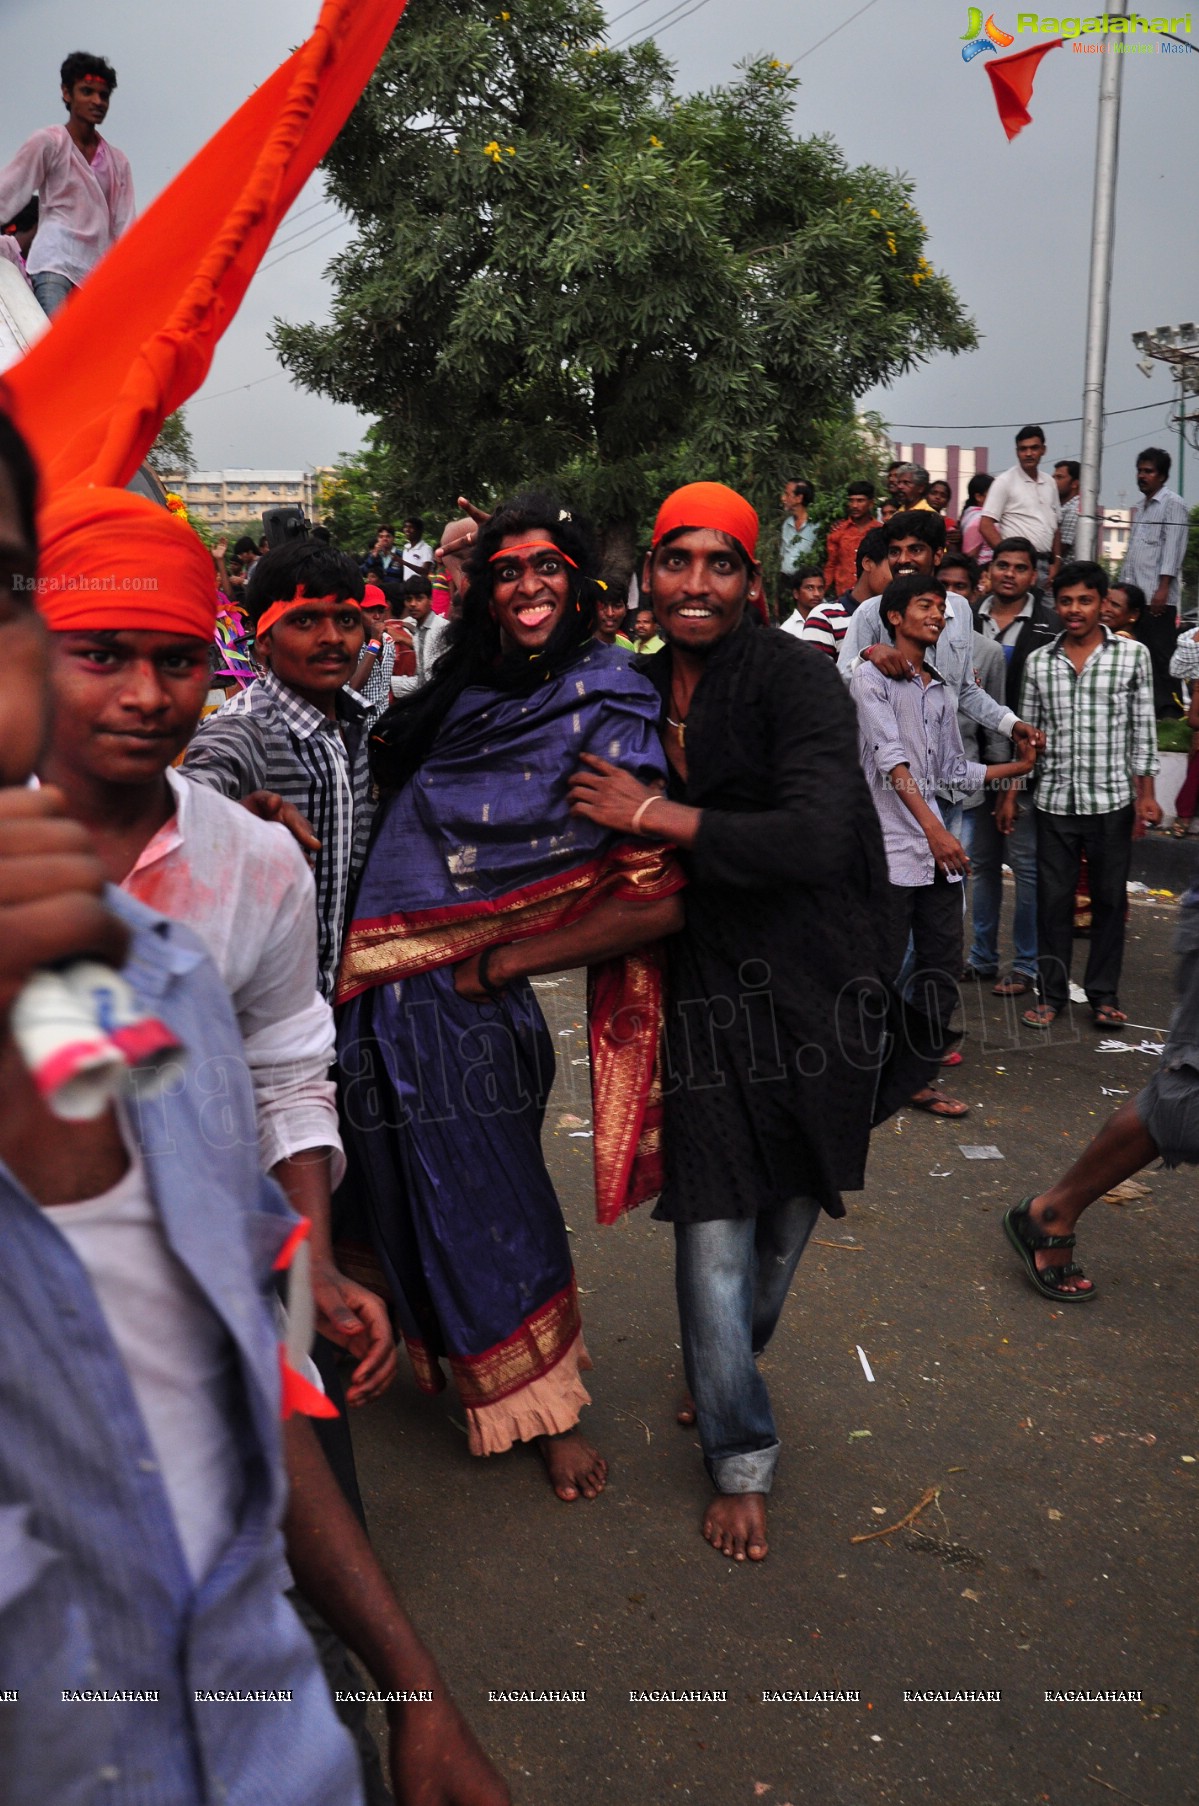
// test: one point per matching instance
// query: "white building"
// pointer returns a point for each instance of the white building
(1115, 524)
(221, 496)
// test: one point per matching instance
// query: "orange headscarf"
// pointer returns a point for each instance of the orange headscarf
(110, 559)
(138, 338)
(709, 505)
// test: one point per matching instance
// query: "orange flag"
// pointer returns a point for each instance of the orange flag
(138, 338)
(1012, 79)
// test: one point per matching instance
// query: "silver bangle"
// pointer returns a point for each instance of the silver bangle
(659, 796)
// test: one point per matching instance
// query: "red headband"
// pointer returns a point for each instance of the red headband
(112, 560)
(712, 505)
(277, 610)
(534, 545)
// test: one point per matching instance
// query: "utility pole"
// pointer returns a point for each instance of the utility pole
(1103, 222)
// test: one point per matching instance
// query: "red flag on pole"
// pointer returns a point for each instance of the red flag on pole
(1012, 78)
(138, 338)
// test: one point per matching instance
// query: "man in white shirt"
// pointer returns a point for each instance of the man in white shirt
(127, 699)
(1023, 503)
(83, 183)
(417, 555)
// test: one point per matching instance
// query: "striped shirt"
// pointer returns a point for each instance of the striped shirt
(824, 627)
(1098, 722)
(1157, 546)
(268, 738)
(376, 691)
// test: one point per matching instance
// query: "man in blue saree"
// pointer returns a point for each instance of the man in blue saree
(479, 877)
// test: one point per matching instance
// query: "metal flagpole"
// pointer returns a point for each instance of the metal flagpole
(1103, 220)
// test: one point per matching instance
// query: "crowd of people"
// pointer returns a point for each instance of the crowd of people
(431, 774)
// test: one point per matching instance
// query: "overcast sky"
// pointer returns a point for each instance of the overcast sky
(1010, 224)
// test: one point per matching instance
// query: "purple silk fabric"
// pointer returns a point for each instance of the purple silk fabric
(487, 812)
(443, 1099)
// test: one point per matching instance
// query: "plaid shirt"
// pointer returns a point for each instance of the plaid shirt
(1184, 661)
(1099, 725)
(376, 691)
(1069, 525)
(268, 738)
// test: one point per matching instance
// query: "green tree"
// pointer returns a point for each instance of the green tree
(566, 271)
(171, 454)
(1190, 564)
(361, 489)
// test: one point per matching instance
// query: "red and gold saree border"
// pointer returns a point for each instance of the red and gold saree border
(541, 1341)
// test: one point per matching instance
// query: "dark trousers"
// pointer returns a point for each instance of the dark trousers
(932, 915)
(1107, 842)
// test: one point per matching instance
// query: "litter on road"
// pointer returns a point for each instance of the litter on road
(928, 1497)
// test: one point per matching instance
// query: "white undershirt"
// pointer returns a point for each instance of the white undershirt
(176, 1351)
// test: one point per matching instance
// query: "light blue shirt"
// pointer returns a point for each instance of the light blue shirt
(955, 659)
(1157, 546)
(95, 1592)
(904, 721)
(795, 544)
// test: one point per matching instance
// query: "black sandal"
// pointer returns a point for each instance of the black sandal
(1028, 1240)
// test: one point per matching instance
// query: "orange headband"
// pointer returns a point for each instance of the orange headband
(277, 610)
(534, 545)
(112, 560)
(712, 505)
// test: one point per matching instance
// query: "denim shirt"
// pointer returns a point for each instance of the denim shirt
(94, 1589)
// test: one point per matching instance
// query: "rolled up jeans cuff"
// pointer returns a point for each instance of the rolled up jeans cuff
(751, 1472)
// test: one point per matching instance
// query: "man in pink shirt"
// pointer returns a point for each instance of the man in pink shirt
(83, 184)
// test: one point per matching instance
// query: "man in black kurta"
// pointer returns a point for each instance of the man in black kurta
(776, 993)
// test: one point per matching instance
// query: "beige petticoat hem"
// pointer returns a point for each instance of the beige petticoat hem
(545, 1407)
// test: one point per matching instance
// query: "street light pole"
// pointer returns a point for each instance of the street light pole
(1103, 219)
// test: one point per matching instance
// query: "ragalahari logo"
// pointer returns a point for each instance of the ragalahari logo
(979, 37)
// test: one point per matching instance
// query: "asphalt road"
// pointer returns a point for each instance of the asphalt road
(1060, 1551)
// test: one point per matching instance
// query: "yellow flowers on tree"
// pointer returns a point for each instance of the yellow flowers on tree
(567, 272)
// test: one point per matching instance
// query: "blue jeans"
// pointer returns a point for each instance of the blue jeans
(731, 1277)
(51, 290)
(988, 850)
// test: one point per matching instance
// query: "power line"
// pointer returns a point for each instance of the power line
(679, 16)
(989, 426)
(832, 34)
(276, 244)
(237, 388)
(635, 8)
(311, 241)
(319, 202)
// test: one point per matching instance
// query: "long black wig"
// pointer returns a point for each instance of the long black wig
(474, 655)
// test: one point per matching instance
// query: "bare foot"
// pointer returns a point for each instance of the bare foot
(574, 1466)
(735, 1523)
(685, 1411)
